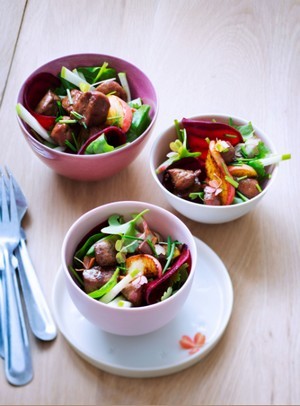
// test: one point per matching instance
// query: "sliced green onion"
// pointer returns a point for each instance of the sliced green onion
(274, 159)
(230, 135)
(26, 116)
(258, 187)
(124, 84)
(70, 145)
(120, 301)
(104, 81)
(69, 96)
(79, 74)
(231, 181)
(101, 70)
(170, 253)
(78, 116)
(75, 79)
(67, 121)
(244, 198)
(119, 286)
(241, 178)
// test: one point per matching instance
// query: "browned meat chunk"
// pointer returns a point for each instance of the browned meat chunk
(75, 93)
(183, 178)
(134, 292)
(48, 105)
(145, 248)
(249, 187)
(113, 88)
(61, 132)
(212, 200)
(229, 153)
(95, 278)
(85, 133)
(105, 252)
(93, 106)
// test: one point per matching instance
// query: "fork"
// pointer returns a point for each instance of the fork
(18, 365)
(38, 312)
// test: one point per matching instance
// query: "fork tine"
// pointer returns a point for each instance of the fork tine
(13, 203)
(17, 188)
(4, 206)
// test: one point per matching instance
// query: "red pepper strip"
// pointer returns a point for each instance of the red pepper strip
(156, 288)
(216, 169)
(35, 89)
(199, 131)
(114, 136)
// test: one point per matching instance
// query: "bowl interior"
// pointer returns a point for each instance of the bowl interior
(195, 211)
(140, 84)
(159, 220)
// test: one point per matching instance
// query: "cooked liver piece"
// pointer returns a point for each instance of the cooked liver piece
(114, 88)
(93, 106)
(48, 105)
(61, 132)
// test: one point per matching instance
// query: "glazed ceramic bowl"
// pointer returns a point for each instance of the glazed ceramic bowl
(200, 212)
(135, 320)
(92, 167)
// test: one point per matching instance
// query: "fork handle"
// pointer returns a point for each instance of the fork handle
(18, 365)
(38, 313)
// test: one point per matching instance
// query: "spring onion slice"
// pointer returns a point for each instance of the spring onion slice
(76, 80)
(26, 116)
(120, 301)
(125, 85)
(119, 286)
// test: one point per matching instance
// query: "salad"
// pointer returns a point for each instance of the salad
(88, 110)
(217, 164)
(126, 264)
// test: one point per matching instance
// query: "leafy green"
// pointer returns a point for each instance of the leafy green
(196, 195)
(167, 293)
(254, 148)
(81, 253)
(99, 146)
(127, 231)
(96, 74)
(65, 84)
(140, 122)
(91, 250)
(178, 150)
(136, 103)
(115, 227)
(181, 276)
(76, 275)
(246, 130)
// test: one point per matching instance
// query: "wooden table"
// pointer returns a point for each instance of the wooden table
(235, 57)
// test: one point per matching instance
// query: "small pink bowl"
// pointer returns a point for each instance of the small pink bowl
(93, 167)
(128, 321)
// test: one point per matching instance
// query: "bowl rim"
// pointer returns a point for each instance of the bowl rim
(208, 207)
(113, 205)
(117, 151)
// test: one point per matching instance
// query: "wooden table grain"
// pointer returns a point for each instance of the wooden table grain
(239, 57)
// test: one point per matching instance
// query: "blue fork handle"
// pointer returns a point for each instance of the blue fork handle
(18, 365)
(38, 313)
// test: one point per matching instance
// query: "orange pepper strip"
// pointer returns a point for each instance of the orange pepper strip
(217, 170)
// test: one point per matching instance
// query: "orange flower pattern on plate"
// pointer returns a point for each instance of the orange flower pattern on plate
(192, 344)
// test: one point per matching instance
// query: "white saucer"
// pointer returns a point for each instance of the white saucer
(207, 311)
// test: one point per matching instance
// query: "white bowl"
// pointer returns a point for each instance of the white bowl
(136, 320)
(200, 212)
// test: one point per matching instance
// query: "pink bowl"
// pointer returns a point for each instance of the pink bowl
(93, 167)
(128, 321)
